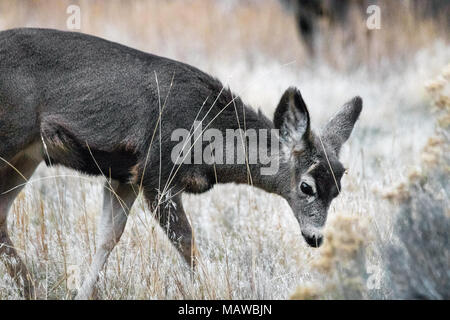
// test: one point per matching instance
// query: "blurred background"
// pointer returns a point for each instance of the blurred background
(387, 235)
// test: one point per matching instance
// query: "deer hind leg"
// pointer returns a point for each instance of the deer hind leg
(116, 206)
(172, 218)
(10, 186)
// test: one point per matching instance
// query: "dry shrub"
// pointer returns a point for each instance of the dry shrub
(340, 263)
(434, 153)
(418, 264)
(343, 242)
(308, 291)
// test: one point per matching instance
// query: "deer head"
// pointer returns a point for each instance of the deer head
(315, 170)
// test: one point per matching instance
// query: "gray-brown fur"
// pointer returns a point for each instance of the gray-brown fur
(93, 106)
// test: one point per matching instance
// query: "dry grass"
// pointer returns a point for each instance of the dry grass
(249, 242)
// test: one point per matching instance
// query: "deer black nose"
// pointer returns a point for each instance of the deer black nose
(314, 241)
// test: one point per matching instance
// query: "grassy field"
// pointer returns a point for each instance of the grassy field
(387, 233)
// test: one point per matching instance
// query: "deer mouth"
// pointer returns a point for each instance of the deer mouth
(314, 240)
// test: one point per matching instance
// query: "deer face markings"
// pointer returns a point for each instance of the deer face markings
(315, 170)
(312, 209)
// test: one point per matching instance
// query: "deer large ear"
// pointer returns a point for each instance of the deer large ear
(340, 126)
(292, 119)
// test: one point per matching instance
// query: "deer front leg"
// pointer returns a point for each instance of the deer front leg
(172, 218)
(116, 206)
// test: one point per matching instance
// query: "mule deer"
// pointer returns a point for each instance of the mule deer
(309, 13)
(338, 13)
(105, 109)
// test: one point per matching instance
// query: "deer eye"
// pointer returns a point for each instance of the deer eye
(306, 189)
